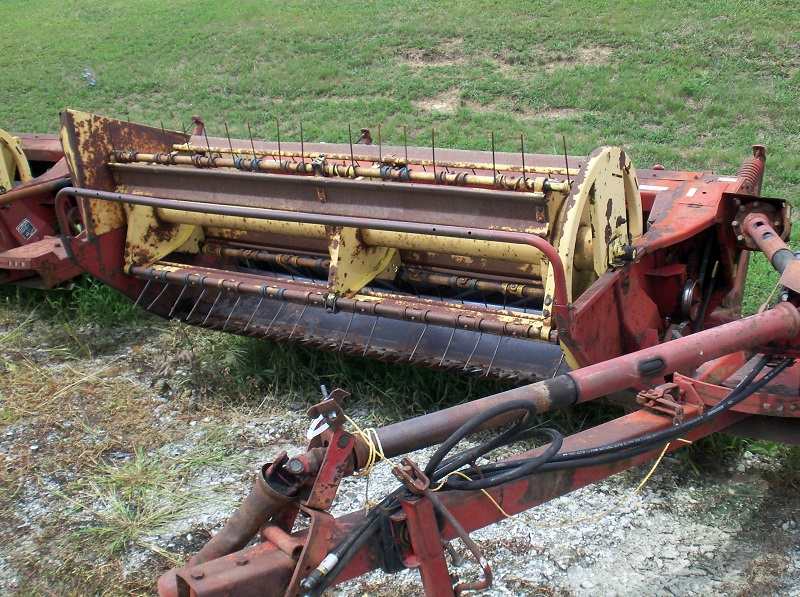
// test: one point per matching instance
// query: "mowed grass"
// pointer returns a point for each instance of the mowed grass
(690, 85)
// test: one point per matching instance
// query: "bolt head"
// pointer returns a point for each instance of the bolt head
(197, 574)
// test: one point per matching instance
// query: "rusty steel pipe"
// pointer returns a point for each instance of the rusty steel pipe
(499, 236)
(521, 183)
(405, 273)
(594, 381)
(34, 189)
(390, 159)
(257, 508)
(757, 227)
(527, 326)
(288, 544)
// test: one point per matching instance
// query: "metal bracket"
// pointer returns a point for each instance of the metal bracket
(664, 399)
(410, 475)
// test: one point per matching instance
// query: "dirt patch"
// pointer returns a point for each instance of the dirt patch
(445, 102)
(586, 56)
(449, 53)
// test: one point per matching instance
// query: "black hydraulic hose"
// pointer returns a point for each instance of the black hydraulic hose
(743, 385)
(321, 579)
(635, 447)
(550, 460)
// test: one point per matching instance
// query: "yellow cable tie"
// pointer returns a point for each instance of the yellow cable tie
(568, 523)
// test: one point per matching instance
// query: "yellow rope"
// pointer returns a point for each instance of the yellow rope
(568, 523)
(376, 454)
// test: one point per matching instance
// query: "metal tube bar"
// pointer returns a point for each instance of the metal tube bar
(405, 273)
(520, 183)
(387, 160)
(426, 312)
(500, 236)
(757, 227)
(594, 381)
(32, 190)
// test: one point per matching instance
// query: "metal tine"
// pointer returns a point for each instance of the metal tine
(144, 290)
(160, 294)
(566, 159)
(178, 300)
(278, 129)
(236, 304)
(380, 148)
(197, 302)
(261, 300)
(302, 145)
(230, 143)
(278, 312)
(494, 163)
(296, 323)
(474, 348)
(433, 151)
(405, 144)
(449, 342)
(214, 304)
(349, 323)
(208, 145)
(425, 329)
(522, 152)
(350, 135)
(496, 348)
(252, 145)
(372, 331)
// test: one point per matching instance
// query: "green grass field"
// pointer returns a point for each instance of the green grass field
(691, 85)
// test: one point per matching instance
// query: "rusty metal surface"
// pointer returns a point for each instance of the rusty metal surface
(365, 330)
(780, 398)
(402, 226)
(473, 509)
(88, 140)
(429, 204)
(41, 147)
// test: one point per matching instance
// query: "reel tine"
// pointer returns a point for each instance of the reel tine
(236, 304)
(496, 348)
(302, 312)
(425, 329)
(449, 342)
(214, 304)
(474, 348)
(261, 300)
(178, 300)
(372, 331)
(197, 302)
(349, 323)
(160, 294)
(144, 290)
(274, 318)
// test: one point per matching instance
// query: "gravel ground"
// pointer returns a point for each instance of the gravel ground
(721, 530)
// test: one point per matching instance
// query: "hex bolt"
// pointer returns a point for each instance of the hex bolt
(548, 301)
(735, 223)
(342, 441)
(197, 574)
(295, 466)
(242, 561)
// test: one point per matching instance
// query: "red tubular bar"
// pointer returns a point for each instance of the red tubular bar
(502, 236)
(686, 354)
(682, 355)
